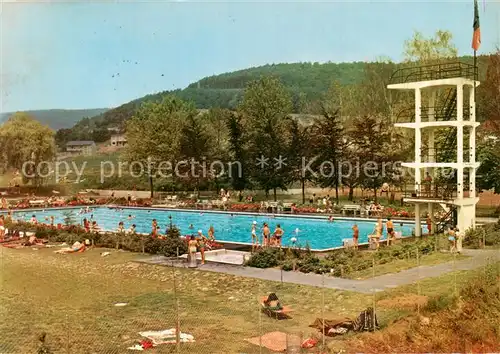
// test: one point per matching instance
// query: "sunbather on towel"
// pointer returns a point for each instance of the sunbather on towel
(272, 302)
(77, 247)
(33, 241)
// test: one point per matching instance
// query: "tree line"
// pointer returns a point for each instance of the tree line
(348, 122)
(305, 82)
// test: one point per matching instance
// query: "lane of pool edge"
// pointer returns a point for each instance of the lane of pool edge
(236, 233)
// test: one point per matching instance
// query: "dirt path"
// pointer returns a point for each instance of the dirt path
(477, 258)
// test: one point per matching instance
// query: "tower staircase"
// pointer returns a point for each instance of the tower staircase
(440, 127)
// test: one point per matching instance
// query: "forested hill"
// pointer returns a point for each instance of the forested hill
(314, 76)
(58, 118)
(307, 82)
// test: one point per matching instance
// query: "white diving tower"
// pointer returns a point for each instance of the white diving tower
(444, 125)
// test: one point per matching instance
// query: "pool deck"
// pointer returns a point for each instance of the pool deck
(477, 258)
(229, 244)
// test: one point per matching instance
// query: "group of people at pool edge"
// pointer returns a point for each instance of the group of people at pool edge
(201, 243)
(377, 234)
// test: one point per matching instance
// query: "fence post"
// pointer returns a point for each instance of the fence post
(323, 307)
(67, 335)
(178, 320)
(454, 274)
(260, 317)
(418, 282)
(373, 290)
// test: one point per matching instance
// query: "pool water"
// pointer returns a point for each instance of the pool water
(317, 232)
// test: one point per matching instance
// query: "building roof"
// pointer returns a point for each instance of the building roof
(80, 143)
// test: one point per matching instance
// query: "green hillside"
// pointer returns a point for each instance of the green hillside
(307, 82)
(59, 118)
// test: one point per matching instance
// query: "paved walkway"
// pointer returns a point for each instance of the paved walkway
(477, 259)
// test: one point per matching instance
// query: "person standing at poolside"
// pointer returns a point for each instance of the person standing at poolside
(192, 247)
(278, 234)
(255, 239)
(266, 234)
(86, 225)
(211, 233)
(2, 227)
(121, 232)
(459, 236)
(355, 236)
(452, 239)
(94, 227)
(5, 205)
(201, 245)
(390, 231)
(379, 227)
(154, 228)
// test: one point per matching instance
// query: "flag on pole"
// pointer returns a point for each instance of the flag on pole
(476, 37)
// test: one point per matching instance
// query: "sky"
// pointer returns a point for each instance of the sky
(102, 54)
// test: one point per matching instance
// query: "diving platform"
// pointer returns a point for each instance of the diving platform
(443, 121)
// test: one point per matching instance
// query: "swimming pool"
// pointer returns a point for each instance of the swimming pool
(319, 233)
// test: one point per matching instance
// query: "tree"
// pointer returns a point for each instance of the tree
(154, 135)
(299, 151)
(238, 152)
(24, 142)
(217, 129)
(427, 50)
(195, 148)
(328, 144)
(266, 106)
(371, 139)
(489, 171)
(489, 94)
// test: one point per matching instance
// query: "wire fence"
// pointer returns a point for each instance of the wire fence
(212, 311)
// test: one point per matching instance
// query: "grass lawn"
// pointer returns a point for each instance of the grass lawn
(5, 179)
(398, 265)
(71, 297)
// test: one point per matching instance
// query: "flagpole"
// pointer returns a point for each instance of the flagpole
(476, 76)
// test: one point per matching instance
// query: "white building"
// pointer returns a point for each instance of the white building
(81, 147)
(444, 124)
(118, 140)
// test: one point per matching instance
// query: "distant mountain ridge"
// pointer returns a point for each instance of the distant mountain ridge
(306, 82)
(58, 118)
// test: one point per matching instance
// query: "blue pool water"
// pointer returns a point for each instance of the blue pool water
(319, 233)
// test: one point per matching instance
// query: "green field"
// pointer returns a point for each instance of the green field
(72, 297)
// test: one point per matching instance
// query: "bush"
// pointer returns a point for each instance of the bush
(489, 232)
(338, 262)
(266, 258)
(170, 246)
(439, 303)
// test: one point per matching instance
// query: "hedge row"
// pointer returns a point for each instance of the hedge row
(171, 245)
(337, 262)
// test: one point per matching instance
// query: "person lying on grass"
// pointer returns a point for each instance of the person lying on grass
(76, 248)
(272, 302)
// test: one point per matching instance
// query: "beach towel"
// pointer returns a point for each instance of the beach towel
(167, 336)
